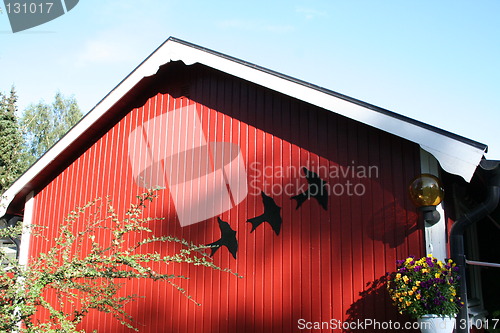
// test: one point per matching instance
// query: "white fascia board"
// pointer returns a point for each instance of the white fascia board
(27, 232)
(147, 68)
(454, 156)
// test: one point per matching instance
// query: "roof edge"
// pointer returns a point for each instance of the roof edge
(462, 162)
(306, 84)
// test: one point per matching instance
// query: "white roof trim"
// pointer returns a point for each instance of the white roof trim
(454, 156)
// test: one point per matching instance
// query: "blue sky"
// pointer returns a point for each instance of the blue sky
(435, 61)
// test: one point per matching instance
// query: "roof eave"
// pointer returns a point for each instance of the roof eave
(456, 154)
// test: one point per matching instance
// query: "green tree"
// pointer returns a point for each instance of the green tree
(85, 280)
(44, 124)
(12, 162)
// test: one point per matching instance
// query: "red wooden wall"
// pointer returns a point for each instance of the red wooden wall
(323, 265)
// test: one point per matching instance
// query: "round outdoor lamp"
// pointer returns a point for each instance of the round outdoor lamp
(426, 193)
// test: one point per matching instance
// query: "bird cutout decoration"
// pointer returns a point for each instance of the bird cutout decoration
(271, 215)
(316, 189)
(228, 239)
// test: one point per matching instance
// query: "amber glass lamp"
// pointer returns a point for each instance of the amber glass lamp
(426, 192)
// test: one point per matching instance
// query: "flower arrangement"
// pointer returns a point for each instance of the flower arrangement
(425, 286)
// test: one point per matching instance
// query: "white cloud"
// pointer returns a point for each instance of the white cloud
(109, 47)
(99, 51)
(310, 13)
(278, 28)
(250, 25)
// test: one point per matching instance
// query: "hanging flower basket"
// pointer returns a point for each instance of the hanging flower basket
(426, 289)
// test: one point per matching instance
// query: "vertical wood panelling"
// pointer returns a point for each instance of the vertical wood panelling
(322, 265)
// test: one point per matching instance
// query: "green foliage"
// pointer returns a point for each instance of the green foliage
(11, 156)
(425, 286)
(86, 275)
(44, 124)
(23, 141)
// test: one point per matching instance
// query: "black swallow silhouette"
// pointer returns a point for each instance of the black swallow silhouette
(271, 215)
(228, 239)
(316, 189)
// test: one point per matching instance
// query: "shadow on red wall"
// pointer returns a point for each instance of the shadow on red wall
(375, 296)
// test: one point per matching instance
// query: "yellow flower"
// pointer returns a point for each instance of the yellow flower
(408, 303)
(410, 292)
(437, 275)
(415, 287)
(398, 276)
(405, 279)
(418, 296)
(417, 283)
(425, 270)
